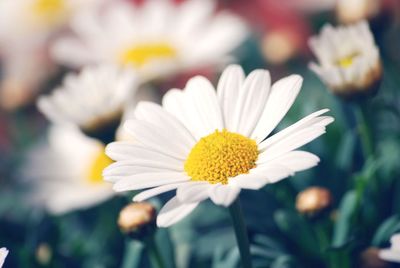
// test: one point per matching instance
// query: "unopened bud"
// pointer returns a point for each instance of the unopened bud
(351, 11)
(43, 254)
(279, 46)
(137, 220)
(313, 200)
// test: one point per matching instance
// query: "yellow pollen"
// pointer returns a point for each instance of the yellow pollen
(139, 55)
(49, 12)
(220, 156)
(346, 62)
(100, 162)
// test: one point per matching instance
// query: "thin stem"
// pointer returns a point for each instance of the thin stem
(365, 132)
(241, 233)
(154, 254)
(133, 251)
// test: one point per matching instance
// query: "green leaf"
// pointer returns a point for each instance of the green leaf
(386, 230)
(342, 228)
(297, 230)
(283, 262)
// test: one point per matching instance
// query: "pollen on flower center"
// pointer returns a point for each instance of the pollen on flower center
(221, 155)
(346, 62)
(139, 55)
(100, 162)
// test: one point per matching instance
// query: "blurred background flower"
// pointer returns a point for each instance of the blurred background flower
(26, 30)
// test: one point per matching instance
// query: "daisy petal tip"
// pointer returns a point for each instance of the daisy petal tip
(161, 223)
(118, 188)
(137, 198)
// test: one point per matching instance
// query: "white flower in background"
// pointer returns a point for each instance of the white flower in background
(157, 38)
(68, 174)
(392, 254)
(23, 73)
(91, 99)
(3, 255)
(26, 28)
(349, 61)
(32, 21)
(208, 144)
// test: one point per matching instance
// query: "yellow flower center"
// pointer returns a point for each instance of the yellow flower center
(49, 11)
(220, 156)
(141, 54)
(346, 62)
(100, 162)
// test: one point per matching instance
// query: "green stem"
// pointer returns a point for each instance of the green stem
(154, 254)
(241, 233)
(133, 251)
(365, 132)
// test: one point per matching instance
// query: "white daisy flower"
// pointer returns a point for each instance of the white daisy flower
(349, 62)
(35, 20)
(3, 255)
(392, 254)
(93, 99)
(158, 38)
(26, 29)
(65, 178)
(208, 144)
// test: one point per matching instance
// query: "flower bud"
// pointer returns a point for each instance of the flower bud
(313, 200)
(279, 46)
(349, 60)
(43, 253)
(351, 11)
(137, 220)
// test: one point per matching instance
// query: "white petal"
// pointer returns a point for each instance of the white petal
(148, 180)
(295, 160)
(126, 150)
(228, 92)
(3, 255)
(155, 114)
(64, 200)
(395, 241)
(282, 96)
(174, 211)
(253, 181)
(308, 121)
(156, 139)
(390, 255)
(294, 141)
(193, 192)
(191, 16)
(251, 101)
(202, 102)
(258, 177)
(144, 195)
(127, 168)
(224, 195)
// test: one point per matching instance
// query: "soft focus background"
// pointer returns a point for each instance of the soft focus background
(365, 209)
